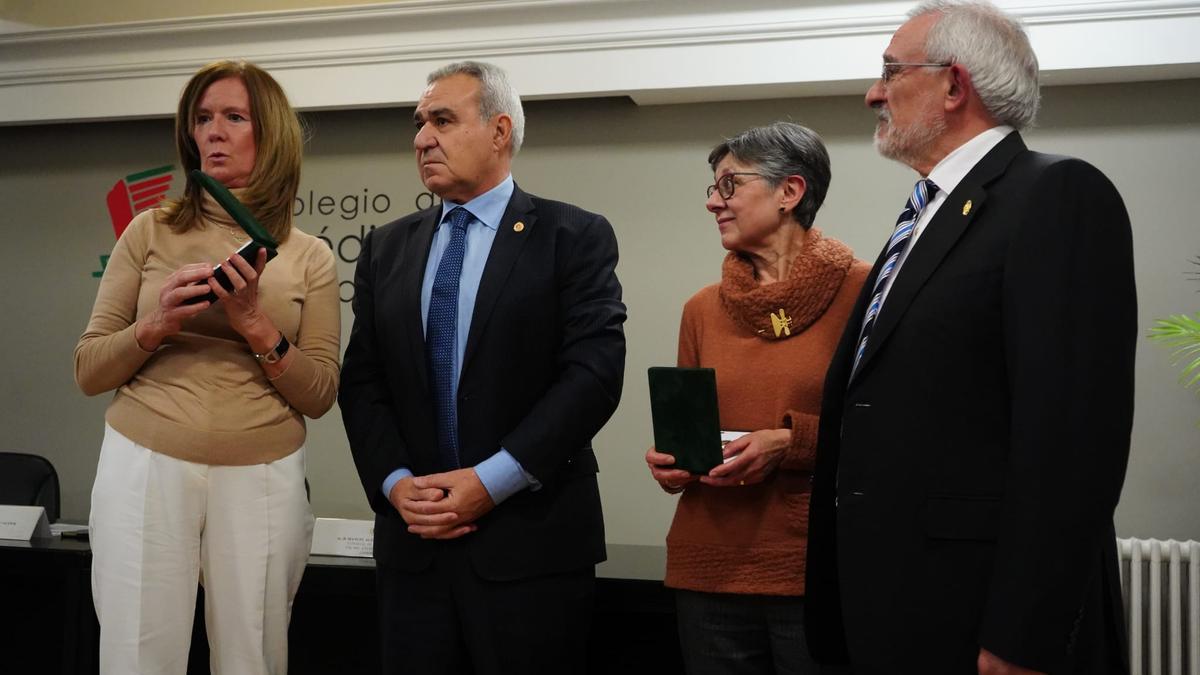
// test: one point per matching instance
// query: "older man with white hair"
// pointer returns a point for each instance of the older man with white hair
(976, 421)
(487, 351)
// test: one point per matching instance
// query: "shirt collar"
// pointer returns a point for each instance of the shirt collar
(488, 208)
(954, 167)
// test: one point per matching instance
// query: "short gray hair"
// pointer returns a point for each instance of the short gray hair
(995, 50)
(496, 94)
(779, 150)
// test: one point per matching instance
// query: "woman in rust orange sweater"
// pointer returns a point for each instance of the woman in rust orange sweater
(735, 551)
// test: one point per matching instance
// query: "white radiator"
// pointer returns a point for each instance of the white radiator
(1160, 581)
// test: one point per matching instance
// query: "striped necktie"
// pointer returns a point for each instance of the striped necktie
(901, 236)
(442, 335)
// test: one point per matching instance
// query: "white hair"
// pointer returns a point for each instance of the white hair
(994, 49)
(496, 94)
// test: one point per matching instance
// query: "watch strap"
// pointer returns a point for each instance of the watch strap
(276, 354)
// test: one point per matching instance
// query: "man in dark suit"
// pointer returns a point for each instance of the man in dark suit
(487, 351)
(976, 420)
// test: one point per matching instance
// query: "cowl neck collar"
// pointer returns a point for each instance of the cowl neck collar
(779, 310)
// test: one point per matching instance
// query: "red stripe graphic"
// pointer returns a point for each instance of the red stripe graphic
(137, 191)
(138, 195)
(144, 184)
(145, 204)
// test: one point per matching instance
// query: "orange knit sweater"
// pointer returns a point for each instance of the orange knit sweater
(752, 539)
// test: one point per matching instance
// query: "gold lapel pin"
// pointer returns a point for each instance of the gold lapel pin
(967, 207)
(519, 227)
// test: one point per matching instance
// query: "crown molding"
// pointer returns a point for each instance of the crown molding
(660, 51)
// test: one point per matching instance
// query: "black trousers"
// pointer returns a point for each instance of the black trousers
(447, 620)
(732, 634)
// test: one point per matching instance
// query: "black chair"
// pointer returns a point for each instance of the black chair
(29, 480)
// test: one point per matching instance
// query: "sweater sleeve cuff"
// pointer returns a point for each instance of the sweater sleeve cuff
(801, 453)
(304, 386)
(127, 351)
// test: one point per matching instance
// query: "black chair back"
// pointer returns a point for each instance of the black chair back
(29, 480)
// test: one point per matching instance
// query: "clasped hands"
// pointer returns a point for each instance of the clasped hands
(754, 457)
(441, 505)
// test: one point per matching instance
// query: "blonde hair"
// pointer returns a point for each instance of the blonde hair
(278, 142)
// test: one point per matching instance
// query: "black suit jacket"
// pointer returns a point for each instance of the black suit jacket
(968, 473)
(542, 372)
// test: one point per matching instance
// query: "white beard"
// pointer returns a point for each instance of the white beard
(909, 144)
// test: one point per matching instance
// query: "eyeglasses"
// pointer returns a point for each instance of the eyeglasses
(725, 185)
(892, 68)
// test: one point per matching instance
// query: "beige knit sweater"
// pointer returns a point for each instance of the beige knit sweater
(202, 397)
(752, 539)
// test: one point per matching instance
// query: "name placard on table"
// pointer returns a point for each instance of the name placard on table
(23, 522)
(341, 536)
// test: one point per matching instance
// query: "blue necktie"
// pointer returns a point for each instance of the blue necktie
(441, 335)
(901, 236)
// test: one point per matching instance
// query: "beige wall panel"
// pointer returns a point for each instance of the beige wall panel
(644, 168)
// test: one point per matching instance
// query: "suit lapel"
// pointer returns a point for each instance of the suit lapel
(506, 248)
(416, 256)
(953, 218)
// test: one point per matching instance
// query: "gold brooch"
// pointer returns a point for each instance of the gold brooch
(781, 323)
(519, 227)
(967, 207)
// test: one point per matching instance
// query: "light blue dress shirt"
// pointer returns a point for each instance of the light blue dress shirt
(501, 474)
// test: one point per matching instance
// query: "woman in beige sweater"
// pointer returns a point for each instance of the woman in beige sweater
(735, 551)
(201, 472)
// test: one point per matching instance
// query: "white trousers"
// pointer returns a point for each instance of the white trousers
(159, 525)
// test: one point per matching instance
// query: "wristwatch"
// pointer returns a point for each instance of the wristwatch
(277, 353)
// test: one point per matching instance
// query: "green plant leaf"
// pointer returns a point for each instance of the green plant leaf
(1183, 333)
